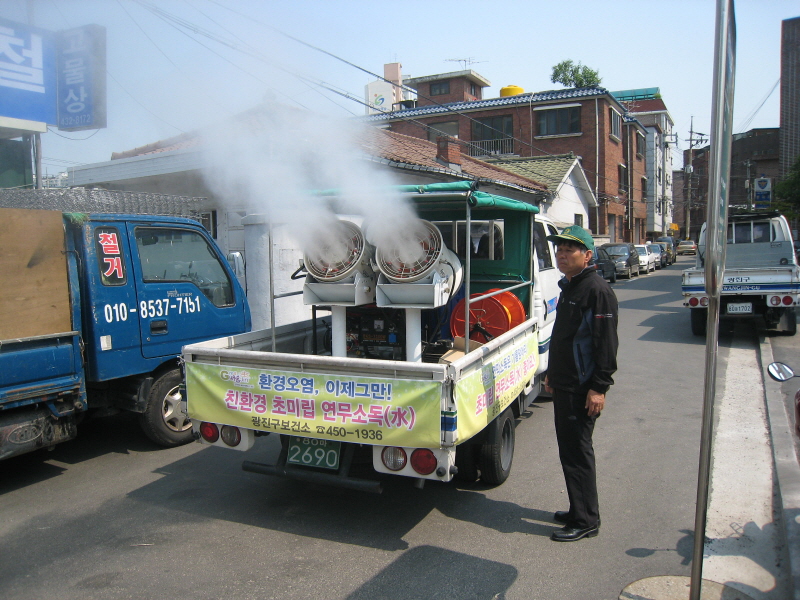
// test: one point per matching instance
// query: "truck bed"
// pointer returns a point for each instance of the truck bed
(447, 402)
(40, 368)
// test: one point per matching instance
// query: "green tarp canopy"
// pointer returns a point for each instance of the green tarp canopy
(434, 192)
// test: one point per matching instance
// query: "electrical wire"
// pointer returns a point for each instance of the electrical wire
(449, 108)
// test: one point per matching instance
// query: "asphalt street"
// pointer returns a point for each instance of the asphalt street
(110, 516)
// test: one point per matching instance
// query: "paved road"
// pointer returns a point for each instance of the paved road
(109, 516)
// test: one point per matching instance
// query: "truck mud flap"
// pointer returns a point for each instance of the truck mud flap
(341, 478)
(25, 431)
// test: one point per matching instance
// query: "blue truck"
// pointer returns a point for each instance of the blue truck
(94, 311)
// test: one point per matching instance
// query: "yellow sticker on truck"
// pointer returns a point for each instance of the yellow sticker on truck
(482, 394)
(367, 410)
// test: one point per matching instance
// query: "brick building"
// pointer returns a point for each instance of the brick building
(754, 155)
(790, 94)
(588, 122)
(649, 109)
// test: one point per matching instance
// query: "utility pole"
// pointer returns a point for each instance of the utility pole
(689, 169)
(748, 185)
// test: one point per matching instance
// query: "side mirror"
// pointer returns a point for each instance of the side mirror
(780, 372)
(236, 261)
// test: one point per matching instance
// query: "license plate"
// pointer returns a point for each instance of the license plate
(740, 308)
(310, 452)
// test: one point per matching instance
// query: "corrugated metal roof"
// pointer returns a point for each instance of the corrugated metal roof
(549, 96)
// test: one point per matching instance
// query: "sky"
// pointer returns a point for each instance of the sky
(178, 66)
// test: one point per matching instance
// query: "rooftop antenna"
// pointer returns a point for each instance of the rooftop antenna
(466, 62)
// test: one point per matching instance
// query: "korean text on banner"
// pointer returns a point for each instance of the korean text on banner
(392, 412)
(485, 392)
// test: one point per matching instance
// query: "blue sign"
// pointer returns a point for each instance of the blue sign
(27, 73)
(82, 78)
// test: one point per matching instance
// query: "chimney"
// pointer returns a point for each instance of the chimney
(448, 152)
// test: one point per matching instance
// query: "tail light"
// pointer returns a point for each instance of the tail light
(693, 301)
(394, 458)
(703, 301)
(788, 300)
(209, 432)
(231, 435)
(423, 461)
(775, 300)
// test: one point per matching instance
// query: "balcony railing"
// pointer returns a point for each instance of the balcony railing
(489, 147)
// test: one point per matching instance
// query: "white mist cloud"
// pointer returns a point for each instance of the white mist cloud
(275, 159)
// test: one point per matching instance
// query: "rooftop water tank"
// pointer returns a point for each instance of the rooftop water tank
(511, 90)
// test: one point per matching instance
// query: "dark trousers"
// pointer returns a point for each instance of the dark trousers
(574, 429)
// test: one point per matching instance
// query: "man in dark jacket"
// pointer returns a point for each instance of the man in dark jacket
(583, 357)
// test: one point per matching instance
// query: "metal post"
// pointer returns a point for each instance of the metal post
(271, 283)
(467, 276)
(717, 216)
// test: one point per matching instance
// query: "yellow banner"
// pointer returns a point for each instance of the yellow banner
(366, 410)
(484, 393)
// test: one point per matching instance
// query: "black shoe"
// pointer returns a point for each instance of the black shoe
(561, 516)
(573, 534)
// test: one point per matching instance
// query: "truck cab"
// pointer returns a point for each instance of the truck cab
(95, 311)
(761, 276)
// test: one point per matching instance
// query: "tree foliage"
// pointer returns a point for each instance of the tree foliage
(571, 74)
(787, 192)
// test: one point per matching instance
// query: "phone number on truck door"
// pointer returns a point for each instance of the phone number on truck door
(152, 308)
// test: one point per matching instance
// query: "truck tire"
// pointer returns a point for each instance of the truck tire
(699, 316)
(497, 451)
(163, 421)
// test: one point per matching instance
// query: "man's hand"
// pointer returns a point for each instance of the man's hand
(595, 401)
(547, 388)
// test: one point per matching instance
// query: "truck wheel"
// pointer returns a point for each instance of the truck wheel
(699, 316)
(163, 421)
(467, 462)
(497, 452)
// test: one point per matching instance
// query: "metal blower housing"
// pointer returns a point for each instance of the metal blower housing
(340, 271)
(425, 275)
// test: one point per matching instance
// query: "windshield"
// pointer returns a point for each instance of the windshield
(656, 249)
(617, 250)
(642, 249)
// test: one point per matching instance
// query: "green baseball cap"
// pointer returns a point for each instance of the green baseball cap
(574, 233)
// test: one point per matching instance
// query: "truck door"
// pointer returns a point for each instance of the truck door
(184, 293)
(547, 283)
(109, 301)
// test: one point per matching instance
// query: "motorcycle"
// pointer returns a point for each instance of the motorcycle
(782, 372)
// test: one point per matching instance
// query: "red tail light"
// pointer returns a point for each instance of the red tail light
(209, 432)
(787, 300)
(423, 461)
(693, 302)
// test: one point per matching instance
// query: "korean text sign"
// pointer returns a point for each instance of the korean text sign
(484, 393)
(82, 78)
(27, 73)
(392, 412)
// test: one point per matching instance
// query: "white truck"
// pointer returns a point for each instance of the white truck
(761, 275)
(416, 380)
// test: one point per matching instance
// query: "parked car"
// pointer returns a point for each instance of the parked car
(660, 254)
(625, 256)
(605, 265)
(687, 247)
(669, 247)
(647, 260)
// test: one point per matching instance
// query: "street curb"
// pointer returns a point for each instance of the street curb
(787, 469)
